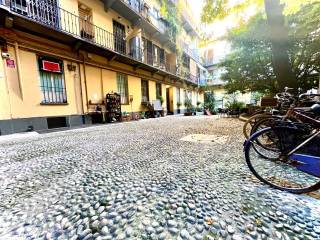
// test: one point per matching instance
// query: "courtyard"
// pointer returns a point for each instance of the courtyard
(167, 178)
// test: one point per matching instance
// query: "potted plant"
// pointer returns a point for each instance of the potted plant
(178, 106)
(143, 115)
(161, 100)
(125, 117)
(189, 107)
(199, 106)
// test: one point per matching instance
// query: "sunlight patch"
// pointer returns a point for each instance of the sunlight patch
(208, 139)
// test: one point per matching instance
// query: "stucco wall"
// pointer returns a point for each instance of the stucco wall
(27, 104)
(5, 109)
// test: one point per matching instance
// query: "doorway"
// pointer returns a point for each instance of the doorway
(119, 34)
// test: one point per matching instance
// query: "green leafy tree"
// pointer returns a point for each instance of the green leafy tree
(277, 31)
(249, 66)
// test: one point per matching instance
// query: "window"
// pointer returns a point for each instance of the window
(178, 95)
(144, 91)
(209, 56)
(156, 55)
(122, 83)
(52, 82)
(162, 57)
(85, 22)
(158, 90)
(185, 95)
(119, 37)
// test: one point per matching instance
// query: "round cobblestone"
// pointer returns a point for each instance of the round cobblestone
(139, 180)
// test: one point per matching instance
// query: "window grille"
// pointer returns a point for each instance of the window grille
(158, 90)
(53, 88)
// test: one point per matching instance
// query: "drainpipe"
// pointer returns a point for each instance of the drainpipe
(101, 83)
(81, 94)
(85, 80)
(16, 50)
(7, 88)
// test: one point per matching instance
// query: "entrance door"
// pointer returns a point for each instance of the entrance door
(119, 34)
(169, 100)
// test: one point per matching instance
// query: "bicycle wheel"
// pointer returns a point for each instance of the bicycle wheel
(264, 123)
(251, 122)
(274, 169)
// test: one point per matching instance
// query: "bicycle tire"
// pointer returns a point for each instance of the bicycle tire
(247, 147)
(252, 120)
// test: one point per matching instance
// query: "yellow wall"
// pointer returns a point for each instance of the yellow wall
(99, 81)
(102, 19)
(94, 86)
(5, 109)
(134, 85)
(28, 105)
(152, 91)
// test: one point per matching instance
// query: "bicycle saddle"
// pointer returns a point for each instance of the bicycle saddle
(316, 108)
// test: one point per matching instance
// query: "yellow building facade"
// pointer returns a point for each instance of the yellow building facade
(56, 69)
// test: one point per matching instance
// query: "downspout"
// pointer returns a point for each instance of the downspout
(81, 94)
(16, 50)
(85, 80)
(101, 82)
(7, 88)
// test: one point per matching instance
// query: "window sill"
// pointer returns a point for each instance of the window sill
(54, 104)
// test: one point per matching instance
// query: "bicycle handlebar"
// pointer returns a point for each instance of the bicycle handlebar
(309, 95)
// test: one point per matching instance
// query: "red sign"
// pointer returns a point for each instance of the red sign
(10, 63)
(51, 66)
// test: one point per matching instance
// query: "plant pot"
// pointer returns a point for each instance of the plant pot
(126, 118)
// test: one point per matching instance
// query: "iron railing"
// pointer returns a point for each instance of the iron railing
(53, 88)
(64, 21)
(193, 53)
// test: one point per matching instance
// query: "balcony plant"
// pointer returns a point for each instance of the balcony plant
(199, 106)
(178, 106)
(125, 117)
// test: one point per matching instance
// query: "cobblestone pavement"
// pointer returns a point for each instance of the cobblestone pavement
(137, 180)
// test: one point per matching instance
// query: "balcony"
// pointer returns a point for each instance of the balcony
(137, 12)
(188, 22)
(192, 53)
(60, 25)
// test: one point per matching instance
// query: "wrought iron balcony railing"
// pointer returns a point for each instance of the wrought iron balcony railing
(61, 20)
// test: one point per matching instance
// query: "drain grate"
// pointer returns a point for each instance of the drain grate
(207, 139)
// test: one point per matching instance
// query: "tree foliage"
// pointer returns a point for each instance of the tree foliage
(249, 65)
(171, 14)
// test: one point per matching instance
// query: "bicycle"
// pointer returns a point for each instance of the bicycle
(285, 101)
(286, 155)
